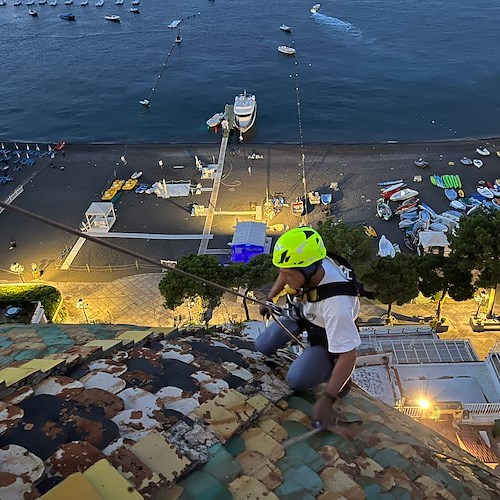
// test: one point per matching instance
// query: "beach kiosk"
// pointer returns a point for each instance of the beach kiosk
(249, 240)
(433, 242)
(99, 217)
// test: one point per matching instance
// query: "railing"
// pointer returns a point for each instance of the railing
(482, 408)
(412, 411)
(12, 196)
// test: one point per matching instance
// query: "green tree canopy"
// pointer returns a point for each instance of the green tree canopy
(395, 279)
(175, 288)
(476, 246)
(349, 242)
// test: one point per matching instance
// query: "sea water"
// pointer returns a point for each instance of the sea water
(365, 70)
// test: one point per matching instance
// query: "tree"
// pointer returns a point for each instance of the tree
(395, 279)
(349, 242)
(176, 288)
(439, 275)
(259, 271)
(476, 248)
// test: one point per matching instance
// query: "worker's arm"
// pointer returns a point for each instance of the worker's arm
(277, 287)
(340, 375)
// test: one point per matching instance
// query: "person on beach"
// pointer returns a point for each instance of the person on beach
(327, 316)
(13, 245)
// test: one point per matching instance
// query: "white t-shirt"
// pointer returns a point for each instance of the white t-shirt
(335, 314)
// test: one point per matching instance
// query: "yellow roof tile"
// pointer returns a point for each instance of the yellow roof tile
(104, 344)
(160, 456)
(109, 483)
(250, 488)
(162, 329)
(134, 335)
(75, 487)
(12, 375)
(219, 420)
(44, 365)
(256, 439)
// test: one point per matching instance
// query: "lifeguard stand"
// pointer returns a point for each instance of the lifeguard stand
(100, 217)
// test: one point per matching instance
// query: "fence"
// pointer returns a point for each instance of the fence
(111, 268)
(12, 196)
(482, 408)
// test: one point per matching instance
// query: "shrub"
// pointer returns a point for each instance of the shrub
(26, 295)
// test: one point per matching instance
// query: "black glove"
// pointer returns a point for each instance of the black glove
(265, 311)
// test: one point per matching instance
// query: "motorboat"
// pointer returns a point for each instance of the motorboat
(285, 28)
(403, 194)
(66, 17)
(245, 112)
(466, 161)
(113, 18)
(68, 2)
(284, 49)
(451, 194)
(53, 3)
(136, 2)
(215, 120)
(33, 13)
(383, 209)
(315, 8)
(119, 2)
(134, 10)
(421, 163)
(42, 2)
(136, 174)
(477, 162)
(84, 3)
(144, 102)
(99, 3)
(178, 38)
(3, 3)
(482, 151)
(17, 3)
(30, 2)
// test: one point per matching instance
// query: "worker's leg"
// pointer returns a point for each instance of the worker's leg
(274, 337)
(310, 369)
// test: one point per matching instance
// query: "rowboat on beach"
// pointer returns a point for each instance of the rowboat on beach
(389, 183)
(482, 151)
(298, 207)
(383, 209)
(477, 163)
(326, 198)
(136, 174)
(404, 194)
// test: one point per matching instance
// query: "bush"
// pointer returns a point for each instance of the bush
(25, 296)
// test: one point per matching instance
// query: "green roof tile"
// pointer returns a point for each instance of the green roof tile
(298, 482)
(294, 428)
(303, 453)
(200, 485)
(222, 466)
(235, 446)
(299, 403)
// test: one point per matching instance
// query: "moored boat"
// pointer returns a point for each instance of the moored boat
(134, 10)
(404, 194)
(66, 17)
(285, 28)
(315, 8)
(326, 198)
(113, 18)
(215, 120)
(245, 111)
(33, 13)
(284, 49)
(465, 161)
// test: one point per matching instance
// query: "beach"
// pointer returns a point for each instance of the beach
(65, 194)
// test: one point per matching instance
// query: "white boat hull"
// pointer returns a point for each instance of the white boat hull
(245, 112)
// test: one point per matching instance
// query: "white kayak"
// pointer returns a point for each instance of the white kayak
(482, 151)
(404, 194)
(284, 49)
(215, 120)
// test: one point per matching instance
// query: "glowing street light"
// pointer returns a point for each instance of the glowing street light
(81, 304)
(424, 404)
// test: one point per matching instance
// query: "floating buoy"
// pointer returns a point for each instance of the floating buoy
(144, 102)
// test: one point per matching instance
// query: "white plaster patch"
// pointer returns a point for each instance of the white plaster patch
(237, 371)
(108, 366)
(216, 343)
(135, 424)
(184, 406)
(262, 367)
(16, 489)
(9, 416)
(19, 461)
(216, 386)
(247, 353)
(56, 385)
(167, 345)
(120, 356)
(139, 399)
(185, 358)
(19, 395)
(103, 380)
(201, 376)
(169, 393)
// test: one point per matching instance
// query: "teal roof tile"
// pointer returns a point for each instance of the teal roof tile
(200, 485)
(298, 481)
(302, 453)
(294, 428)
(235, 446)
(222, 466)
(299, 403)
(27, 354)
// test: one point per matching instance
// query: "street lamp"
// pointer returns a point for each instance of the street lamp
(15, 267)
(81, 304)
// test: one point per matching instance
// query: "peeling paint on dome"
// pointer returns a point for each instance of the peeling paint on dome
(20, 462)
(136, 398)
(201, 376)
(135, 424)
(10, 415)
(59, 386)
(103, 380)
(184, 406)
(185, 358)
(76, 456)
(18, 395)
(168, 345)
(194, 440)
(107, 366)
(237, 371)
(169, 393)
(216, 386)
(12, 486)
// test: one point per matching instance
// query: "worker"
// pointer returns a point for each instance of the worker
(324, 303)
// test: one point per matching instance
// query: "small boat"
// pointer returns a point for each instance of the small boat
(174, 23)
(62, 144)
(84, 3)
(498, 153)
(486, 192)
(99, 3)
(53, 3)
(406, 223)
(134, 10)
(370, 231)
(17, 3)
(42, 2)
(393, 187)
(466, 161)
(326, 198)
(215, 120)
(136, 2)
(68, 2)
(477, 163)
(284, 49)
(482, 151)
(404, 194)
(383, 209)
(144, 102)
(409, 243)
(385, 248)
(315, 8)
(389, 183)
(178, 38)
(113, 18)
(285, 28)
(495, 190)
(298, 207)
(314, 197)
(437, 226)
(457, 204)
(30, 2)
(451, 194)
(33, 13)
(3, 2)
(421, 163)
(136, 174)
(66, 17)
(119, 2)
(424, 206)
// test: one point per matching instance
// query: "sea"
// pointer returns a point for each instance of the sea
(365, 70)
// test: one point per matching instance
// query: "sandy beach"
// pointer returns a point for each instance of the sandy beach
(65, 194)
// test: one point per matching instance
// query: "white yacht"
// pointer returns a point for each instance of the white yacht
(245, 111)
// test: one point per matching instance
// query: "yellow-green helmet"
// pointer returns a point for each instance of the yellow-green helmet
(299, 247)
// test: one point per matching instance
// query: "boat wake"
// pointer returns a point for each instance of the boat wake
(338, 24)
